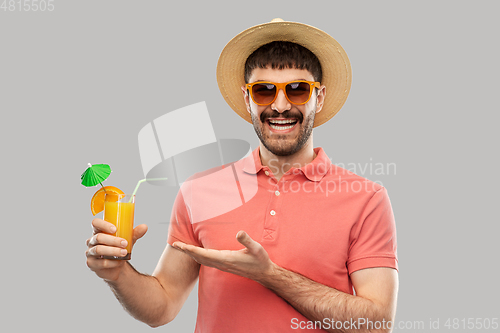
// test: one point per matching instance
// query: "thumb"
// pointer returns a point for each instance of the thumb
(139, 232)
(247, 241)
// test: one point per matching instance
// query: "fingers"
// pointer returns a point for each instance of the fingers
(191, 249)
(103, 247)
(178, 245)
(102, 244)
(99, 251)
(106, 245)
(202, 256)
(195, 252)
(103, 237)
(99, 225)
(106, 239)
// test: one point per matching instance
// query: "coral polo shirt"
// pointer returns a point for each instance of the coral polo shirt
(320, 220)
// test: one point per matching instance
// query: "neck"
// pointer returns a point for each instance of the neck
(279, 165)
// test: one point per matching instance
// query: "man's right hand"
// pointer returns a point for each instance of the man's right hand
(154, 299)
(103, 243)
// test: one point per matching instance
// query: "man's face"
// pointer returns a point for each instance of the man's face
(282, 127)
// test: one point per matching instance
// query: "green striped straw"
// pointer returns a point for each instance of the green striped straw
(142, 181)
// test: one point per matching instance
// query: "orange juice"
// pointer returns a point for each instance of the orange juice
(121, 213)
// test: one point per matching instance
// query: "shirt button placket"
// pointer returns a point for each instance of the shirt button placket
(271, 223)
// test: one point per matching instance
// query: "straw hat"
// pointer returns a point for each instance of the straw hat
(334, 62)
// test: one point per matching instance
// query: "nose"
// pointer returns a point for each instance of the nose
(281, 104)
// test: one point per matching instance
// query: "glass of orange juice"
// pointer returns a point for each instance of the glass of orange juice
(119, 210)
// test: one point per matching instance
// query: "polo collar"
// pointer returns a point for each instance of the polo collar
(318, 168)
(252, 163)
(314, 171)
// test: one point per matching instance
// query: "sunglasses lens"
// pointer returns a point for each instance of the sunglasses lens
(298, 92)
(263, 93)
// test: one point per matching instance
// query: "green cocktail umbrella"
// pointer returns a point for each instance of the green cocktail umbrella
(95, 174)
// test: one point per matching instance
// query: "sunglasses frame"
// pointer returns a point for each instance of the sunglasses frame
(282, 86)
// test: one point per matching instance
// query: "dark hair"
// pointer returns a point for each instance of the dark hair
(280, 55)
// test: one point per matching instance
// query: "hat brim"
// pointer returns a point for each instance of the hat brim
(334, 62)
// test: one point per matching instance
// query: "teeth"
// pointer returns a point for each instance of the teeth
(280, 127)
(287, 121)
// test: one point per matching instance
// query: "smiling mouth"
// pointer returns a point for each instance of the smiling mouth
(281, 124)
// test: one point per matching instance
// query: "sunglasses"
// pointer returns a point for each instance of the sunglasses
(296, 92)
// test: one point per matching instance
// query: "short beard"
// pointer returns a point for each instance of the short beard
(307, 125)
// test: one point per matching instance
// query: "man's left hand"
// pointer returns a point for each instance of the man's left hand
(251, 262)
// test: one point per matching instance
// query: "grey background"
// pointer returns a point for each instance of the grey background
(77, 84)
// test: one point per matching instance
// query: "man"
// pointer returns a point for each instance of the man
(311, 233)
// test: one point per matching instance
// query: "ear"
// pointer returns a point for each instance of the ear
(320, 98)
(246, 97)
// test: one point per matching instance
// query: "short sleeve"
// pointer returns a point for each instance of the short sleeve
(181, 228)
(373, 238)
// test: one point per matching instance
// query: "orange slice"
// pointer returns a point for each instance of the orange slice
(97, 202)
